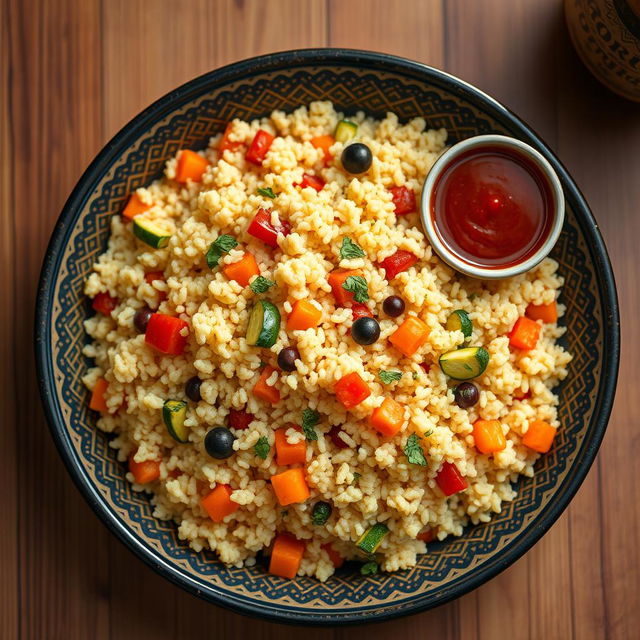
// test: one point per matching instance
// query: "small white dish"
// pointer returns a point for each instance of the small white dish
(435, 238)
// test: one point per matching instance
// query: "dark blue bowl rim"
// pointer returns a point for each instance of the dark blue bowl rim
(249, 68)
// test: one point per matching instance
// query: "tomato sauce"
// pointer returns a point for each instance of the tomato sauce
(492, 207)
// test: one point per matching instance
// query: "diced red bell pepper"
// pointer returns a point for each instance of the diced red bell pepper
(359, 310)
(404, 200)
(262, 228)
(104, 303)
(426, 367)
(163, 334)
(428, 535)
(309, 180)
(226, 143)
(334, 434)
(450, 480)
(336, 559)
(351, 390)
(259, 147)
(400, 261)
(239, 419)
(152, 276)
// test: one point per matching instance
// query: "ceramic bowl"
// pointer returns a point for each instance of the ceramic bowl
(187, 117)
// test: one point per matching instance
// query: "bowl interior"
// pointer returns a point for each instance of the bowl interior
(186, 119)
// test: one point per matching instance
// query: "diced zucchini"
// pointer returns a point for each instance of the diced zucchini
(345, 131)
(174, 413)
(464, 364)
(370, 540)
(264, 325)
(150, 233)
(459, 320)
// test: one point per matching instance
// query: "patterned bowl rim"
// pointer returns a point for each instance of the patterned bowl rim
(331, 57)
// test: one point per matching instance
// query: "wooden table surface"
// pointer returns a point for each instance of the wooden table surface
(72, 72)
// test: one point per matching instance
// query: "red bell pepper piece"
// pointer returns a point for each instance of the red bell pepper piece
(262, 228)
(450, 480)
(336, 559)
(359, 310)
(400, 261)
(152, 276)
(404, 200)
(334, 434)
(426, 367)
(239, 419)
(104, 303)
(163, 334)
(225, 143)
(351, 390)
(309, 180)
(259, 147)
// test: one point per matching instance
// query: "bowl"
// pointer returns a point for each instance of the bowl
(186, 117)
(435, 237)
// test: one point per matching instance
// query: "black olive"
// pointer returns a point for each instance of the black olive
(356, 158)
(192, 389)
(219, 443)
(466, 394)
(321, 512)
(365, 330)
(141, 319)
(287, 358)
(393, 306)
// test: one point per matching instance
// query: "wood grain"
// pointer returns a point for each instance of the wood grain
(71, 73)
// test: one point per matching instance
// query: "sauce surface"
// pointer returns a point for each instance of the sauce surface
(491, 206)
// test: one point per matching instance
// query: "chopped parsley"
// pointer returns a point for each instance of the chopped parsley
(321, 513)
(414, 375)
(262, 447)
(310, 419)
(369, 568)
(223, 244)
(261, 284)
(414, 452)
(356, 477)
(266, 192)
(389, 376)
(358, 286)
(350, 249)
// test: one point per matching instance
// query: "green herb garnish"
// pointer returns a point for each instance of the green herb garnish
(350, 249)
(414, 375)
(358, 286)
(261, 284)
(262, 447)
(356, 477)
(223, 244)
(414, 452)
(389, 376)
(266, 192)
(321, 512)
(310, 419)
(369, 568)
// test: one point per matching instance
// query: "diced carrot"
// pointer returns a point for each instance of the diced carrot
(243, 270)
(290, 486)
(388, 418)
(304, 315)
(488, 436)
(218, 504)
(539, 436)
(351, 390)
(546, 312)
(263, 391)
(190, 166)
(144, 472)
(134, 207)
(336, 559)
(226, 143)
(286, 556)
(324, 143)
(336, 279)
(289, 453)
(98, 401)
(428, 535)
(525, 334)
(410, 336)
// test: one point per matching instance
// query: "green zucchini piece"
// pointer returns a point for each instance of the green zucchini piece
(459, 320)
(264, 325)
(174, 413)
(464, 364)
(370, 540)
(150, 233)
(345, 131)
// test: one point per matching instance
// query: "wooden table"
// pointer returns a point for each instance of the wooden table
(72, 72)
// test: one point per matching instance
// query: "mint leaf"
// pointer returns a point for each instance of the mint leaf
(389, 376)
(262, 447)
(218, 247)
(350, 249)
(266, 192)
(414, 452)
(369, 568)
(358, 286)
(310, 419)
(261, 284)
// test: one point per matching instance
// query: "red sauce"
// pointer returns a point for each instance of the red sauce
(492, 207)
